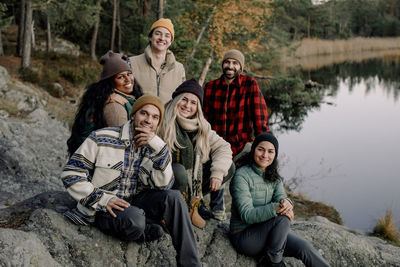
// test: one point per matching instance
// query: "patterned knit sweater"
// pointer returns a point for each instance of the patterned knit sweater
(95, 172)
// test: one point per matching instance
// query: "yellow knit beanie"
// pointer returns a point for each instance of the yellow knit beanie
(165, 23)
(148, 99)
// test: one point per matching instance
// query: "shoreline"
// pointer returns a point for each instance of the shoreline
(312, 54)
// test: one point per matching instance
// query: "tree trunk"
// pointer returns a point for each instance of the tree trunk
(205, 68)
(202, 32)
(21, 29)
(309, 27)
(48, 40)
(160, 13)
(146, 7)
(1, 46)
(33, 34)
(119, 27)
(95, 32)
(114, 23)
(27, 40)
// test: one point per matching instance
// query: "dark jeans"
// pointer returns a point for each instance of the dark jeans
(273, 239)
(217, 197)
(155, 206)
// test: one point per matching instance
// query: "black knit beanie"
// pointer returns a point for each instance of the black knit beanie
(190, 86)
(112, 64)
(266, 136)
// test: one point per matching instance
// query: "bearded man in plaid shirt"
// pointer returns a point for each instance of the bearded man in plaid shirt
(235, 107)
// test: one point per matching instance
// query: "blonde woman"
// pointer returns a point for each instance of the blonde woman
(202, 160)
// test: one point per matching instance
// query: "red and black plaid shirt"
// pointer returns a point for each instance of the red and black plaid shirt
(237, 112)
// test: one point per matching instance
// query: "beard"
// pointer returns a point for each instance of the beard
(230, 76)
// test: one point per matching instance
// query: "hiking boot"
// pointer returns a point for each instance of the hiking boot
(197, 220)
(219, 215)
(205, 213)
(152, 232)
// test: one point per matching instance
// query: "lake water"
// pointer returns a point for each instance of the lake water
(347, 153)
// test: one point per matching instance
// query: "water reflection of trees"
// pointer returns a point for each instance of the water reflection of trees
(386, 70)
(289, 101)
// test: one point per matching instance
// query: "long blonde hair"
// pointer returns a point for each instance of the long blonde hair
(167, 129)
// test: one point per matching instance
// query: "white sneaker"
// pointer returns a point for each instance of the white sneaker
(220, 215)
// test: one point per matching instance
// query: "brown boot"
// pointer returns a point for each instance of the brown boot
(197, 220)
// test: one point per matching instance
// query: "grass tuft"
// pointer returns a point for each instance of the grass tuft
(386, 228)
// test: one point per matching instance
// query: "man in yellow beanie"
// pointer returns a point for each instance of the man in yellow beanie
(156, 70)
(121, 176)
(235, 107)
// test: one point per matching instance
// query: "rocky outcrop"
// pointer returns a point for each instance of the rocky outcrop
(60, 46)
(34, 232)
(46, 238)
(32, 148)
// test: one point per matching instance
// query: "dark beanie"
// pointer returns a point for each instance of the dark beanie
(190, 86)
(112, 64)
(266, 136)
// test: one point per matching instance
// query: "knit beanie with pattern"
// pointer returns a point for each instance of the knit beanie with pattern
(266, 136)
(165, 23)
(112, 64)
(234, 54)
(148, 99)
(190, 86)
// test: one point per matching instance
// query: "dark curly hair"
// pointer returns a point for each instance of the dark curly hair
(93, 101)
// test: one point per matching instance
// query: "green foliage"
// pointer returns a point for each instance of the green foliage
(288, 101)
(4, 21)
(336, 19)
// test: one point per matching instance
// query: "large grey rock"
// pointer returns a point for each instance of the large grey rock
(60, 46)
(32, 154)
(72, 245)
(19, 248)
(4, 78)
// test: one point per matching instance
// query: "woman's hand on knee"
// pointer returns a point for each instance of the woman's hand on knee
(116, 203)
(289, 214)
(285, 206)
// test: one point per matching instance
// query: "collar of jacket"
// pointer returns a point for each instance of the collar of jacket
(257, 170)
(237, 81)
(169, 58)
(126, 132)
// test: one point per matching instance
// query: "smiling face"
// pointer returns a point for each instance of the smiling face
(124, 82)
(187, 106)
(264, 154)
(160, 39)
(231, 69)
(147, 116)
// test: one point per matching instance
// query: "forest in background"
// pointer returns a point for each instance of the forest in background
(203, 29)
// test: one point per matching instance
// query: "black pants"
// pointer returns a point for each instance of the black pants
(273, 239)
(155, 206)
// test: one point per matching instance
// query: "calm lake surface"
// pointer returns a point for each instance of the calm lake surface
(347, 153)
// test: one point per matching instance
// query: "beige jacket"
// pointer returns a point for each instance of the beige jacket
(162, 84)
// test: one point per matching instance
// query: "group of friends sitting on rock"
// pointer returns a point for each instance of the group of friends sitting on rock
(147, 145)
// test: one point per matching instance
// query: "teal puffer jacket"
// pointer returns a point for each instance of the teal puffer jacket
(253, 198)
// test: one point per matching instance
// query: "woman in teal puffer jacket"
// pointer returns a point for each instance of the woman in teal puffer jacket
(261, 211)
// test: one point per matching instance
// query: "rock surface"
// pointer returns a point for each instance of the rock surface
(33, 231)
(46, 238)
